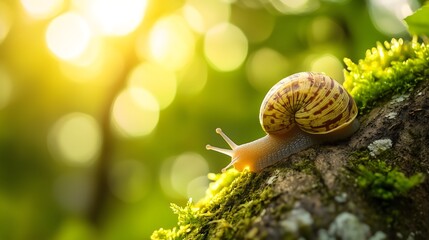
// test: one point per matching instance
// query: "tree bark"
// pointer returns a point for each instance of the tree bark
(371, 186)
(326, 196)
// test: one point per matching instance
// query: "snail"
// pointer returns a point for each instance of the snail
(300, 111)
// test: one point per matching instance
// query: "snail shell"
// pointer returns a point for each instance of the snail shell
(298, 112)
(314, 101)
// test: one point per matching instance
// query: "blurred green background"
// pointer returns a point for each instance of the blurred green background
(106, 105)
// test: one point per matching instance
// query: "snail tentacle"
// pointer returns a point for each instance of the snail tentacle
(228, 152)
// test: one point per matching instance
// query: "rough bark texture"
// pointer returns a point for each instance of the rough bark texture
(321, 181)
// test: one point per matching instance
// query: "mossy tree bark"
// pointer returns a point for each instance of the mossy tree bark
(371, 186)
(332, 187)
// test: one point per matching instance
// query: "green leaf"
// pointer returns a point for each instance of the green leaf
(418, 23)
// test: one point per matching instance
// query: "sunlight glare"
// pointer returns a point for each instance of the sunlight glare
(135, 112)
(225, 47)
(160, 82)
(75, 138)
(42, 9)
(68, 36)
(171, 42)
(262, 75)
(117, 17)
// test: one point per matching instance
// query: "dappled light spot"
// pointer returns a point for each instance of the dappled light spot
(73, 191)
(225, 47)
(262, 75)
(160, 82)
(129, 180)
(6, 88)
(68, 36)
(182, 176)
(116, 17)
(171, 42)
(135, 112)
(202, 15)
(193, 78)
(5, 21)
(75, 138)
(42, 9)
(328, 64)
(387, 15)
(325, 30)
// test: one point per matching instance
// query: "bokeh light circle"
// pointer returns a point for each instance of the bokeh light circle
(328, 64)
(185, 176)
(324, 29)
(225, 47)
(42, 9)
(202, 15)
(387, 15)
(68, 36)
(135, 112)
(171, 42)
(5, 20)
(262, 75)
(75, 138)
(160, 82)
(117, 17)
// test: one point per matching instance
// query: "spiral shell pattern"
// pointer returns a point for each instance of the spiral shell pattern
(315, 102)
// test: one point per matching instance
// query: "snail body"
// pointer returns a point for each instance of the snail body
(300, 111)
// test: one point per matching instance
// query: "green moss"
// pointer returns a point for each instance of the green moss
(381, 180)
(386, 183)
(233, 200)
(305, 165)
(387, 69)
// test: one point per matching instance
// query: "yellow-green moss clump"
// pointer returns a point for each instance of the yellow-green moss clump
(231, 204)
(384, 182)
(381, 180)
(387, 69)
